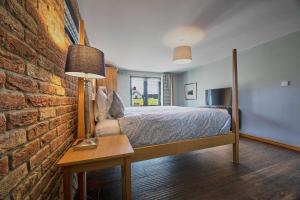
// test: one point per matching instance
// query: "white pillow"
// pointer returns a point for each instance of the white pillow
(101, 106)
(107, 127)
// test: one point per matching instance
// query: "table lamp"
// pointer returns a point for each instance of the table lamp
(88, 63)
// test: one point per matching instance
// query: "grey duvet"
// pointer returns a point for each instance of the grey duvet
(156, 125)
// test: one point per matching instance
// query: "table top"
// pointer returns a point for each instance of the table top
(109, 147)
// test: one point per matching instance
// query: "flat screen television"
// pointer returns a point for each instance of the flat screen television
(218, 97)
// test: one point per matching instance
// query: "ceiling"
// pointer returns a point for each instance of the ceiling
(141, 34)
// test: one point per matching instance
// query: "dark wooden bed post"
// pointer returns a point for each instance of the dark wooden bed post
(235, 108)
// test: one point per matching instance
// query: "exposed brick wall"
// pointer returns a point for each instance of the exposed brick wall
(38, 102)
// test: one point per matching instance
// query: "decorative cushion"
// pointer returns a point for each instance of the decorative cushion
(117, 106)
(101, 106)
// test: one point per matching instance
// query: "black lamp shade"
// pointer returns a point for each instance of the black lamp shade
(86, 62)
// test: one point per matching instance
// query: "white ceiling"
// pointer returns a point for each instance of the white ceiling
(140, 34)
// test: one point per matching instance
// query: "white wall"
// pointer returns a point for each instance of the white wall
(124, 82)
(268, 110)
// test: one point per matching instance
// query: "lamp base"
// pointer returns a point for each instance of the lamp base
(84, 144)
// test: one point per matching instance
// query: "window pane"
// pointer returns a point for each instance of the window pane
(137, 91)
(153, 91)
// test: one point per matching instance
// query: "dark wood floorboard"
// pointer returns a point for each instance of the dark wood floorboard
(265, 172)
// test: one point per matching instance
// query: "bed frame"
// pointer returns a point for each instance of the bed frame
(172, 148)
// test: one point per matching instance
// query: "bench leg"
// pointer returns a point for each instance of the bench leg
(82, 185)
(67, 181)
(126, 179)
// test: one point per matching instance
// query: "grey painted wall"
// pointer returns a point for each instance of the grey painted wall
(124, 82)
(268, 110)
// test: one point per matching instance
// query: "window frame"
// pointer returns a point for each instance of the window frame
(71, 23)
(145, 78)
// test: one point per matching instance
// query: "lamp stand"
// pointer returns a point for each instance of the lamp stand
(87, 142)
(87, 133)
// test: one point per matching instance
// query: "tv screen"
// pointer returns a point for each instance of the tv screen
(218, 97)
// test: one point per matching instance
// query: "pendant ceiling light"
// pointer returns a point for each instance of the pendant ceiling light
(182, 55)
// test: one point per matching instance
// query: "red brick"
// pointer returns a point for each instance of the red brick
(18, 47)
(67, 141)
(38, 100)
(27, 185)
(56, 80)
(74, 107)
(39, 187)
(63, 110)
(54, 101)
(38, 73)
(63, 83)
(11, 100)
(42, 44)
(52, 182)
(12, 139)
(2, 123)
(3, 166)
(50, 161)
(63, 101)
(61, 129)
(46, 113)
(22, 83)
(37, 130)
(29, 50)
(58, 58)
(32, 7)
(2, 35)
(47, 88)
(59, 71)
(56, 143)
(48, 137)
(70, 93)
(39, 157)
(23, 154)
(27, 198)
(67, 133)
(21, 118)
(12, 180)
(60, 90)
(21, 2)
(19, 11)
(55, 122)
(11, 62)
(45, 63)
(63, 119)
(70, 115)
(10, 23)
(2, 79)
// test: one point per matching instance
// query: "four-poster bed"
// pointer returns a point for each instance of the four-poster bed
(153, 151)
(144, 152)
(176, 147)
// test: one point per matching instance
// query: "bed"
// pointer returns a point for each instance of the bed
(162, 131)
(175, 146)
(145, 126)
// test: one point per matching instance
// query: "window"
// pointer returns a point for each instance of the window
(145, 91)
(71, 23)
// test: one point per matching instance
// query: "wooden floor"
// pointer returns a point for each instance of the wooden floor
(265, 172)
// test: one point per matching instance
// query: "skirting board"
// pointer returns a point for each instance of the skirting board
(268, 141)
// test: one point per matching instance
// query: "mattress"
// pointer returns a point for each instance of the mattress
(146, 126)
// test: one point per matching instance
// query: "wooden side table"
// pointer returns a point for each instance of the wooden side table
(111, 151)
